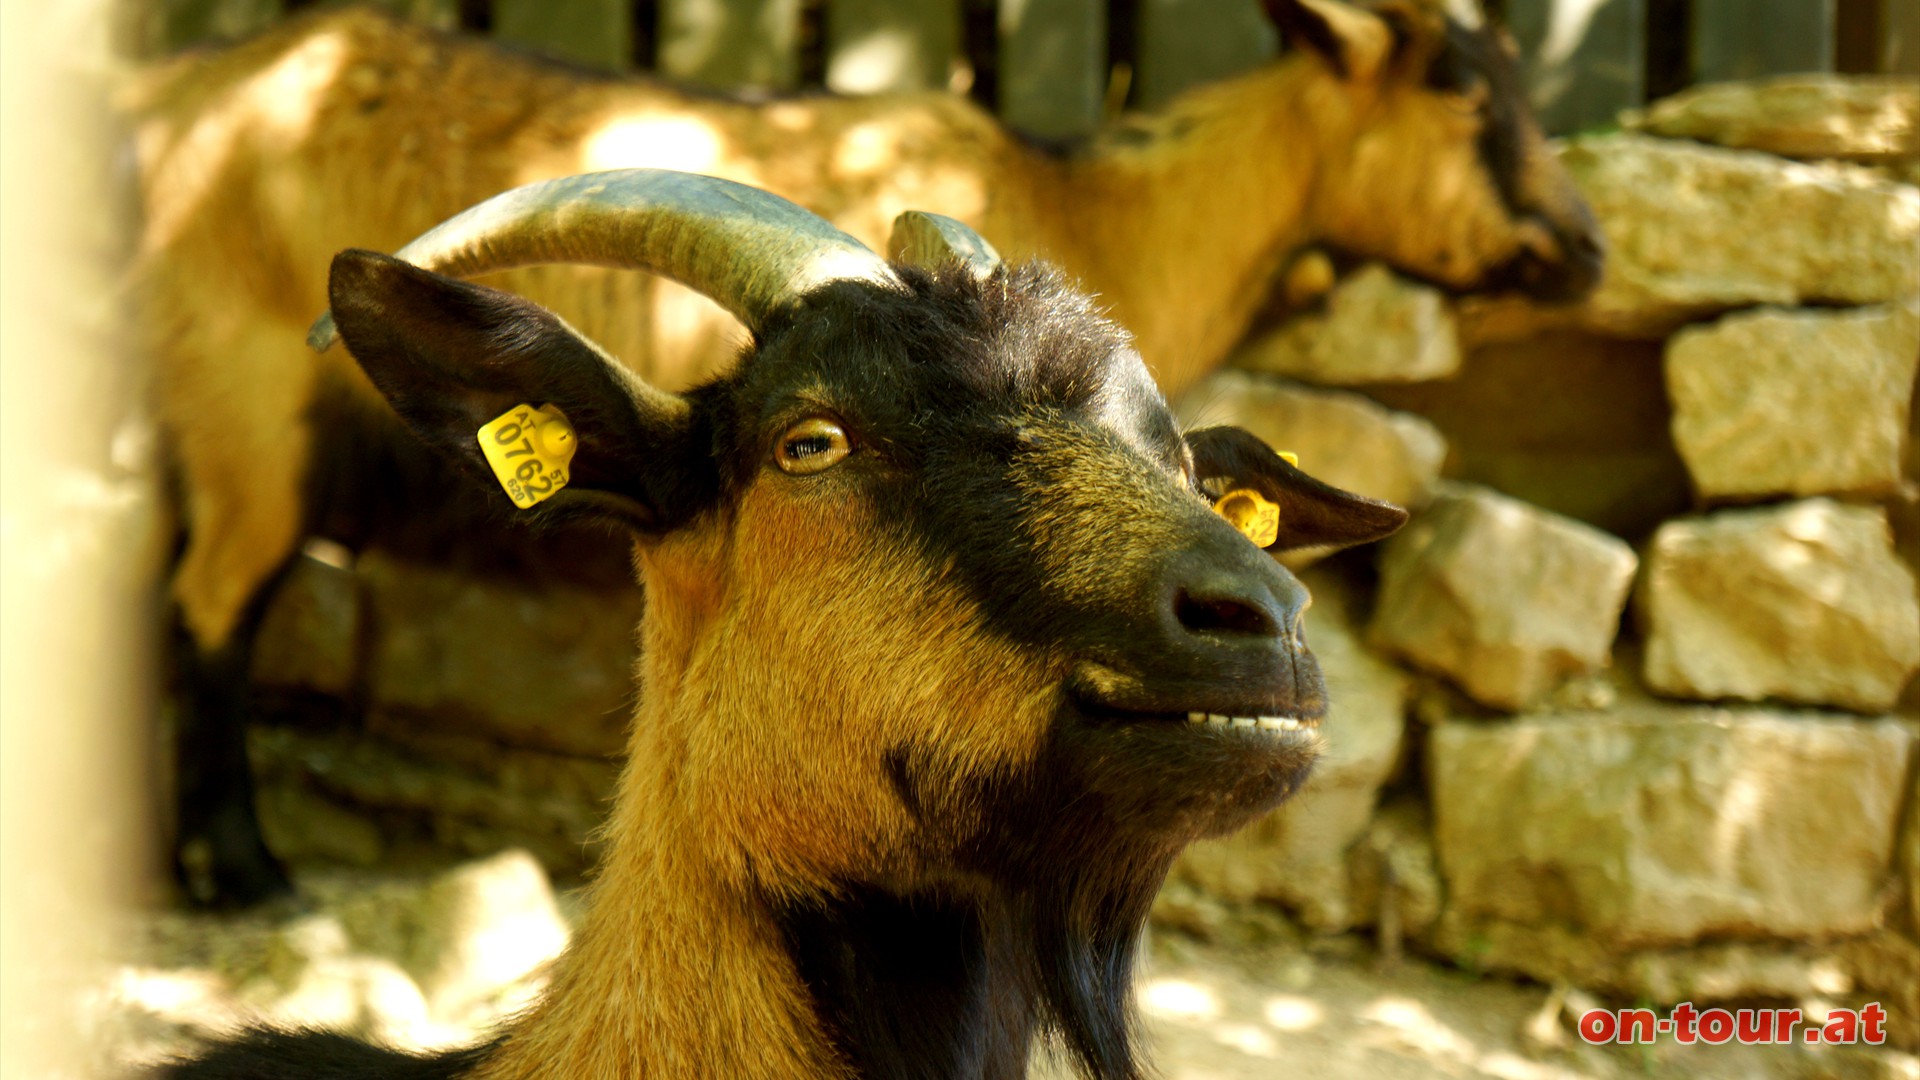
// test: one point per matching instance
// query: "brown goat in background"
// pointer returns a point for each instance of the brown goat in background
(1388, 132)
(946, 656)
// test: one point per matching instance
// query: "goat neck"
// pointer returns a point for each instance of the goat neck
(673, 974)
(690, 963)
(1197, 171)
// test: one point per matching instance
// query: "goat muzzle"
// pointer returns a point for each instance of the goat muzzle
(1223, 653)
(1557, 263)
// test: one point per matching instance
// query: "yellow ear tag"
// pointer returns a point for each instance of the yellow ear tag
(529, 450)
(1290, 458)
(1251, 513)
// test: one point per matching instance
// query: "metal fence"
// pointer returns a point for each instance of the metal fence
(1057, 67)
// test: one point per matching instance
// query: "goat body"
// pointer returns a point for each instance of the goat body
(351, 127)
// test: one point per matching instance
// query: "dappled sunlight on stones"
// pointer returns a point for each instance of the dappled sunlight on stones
(484, 926)
(369, 997)
(1376, 327)
(415, 964)
(1247, 1039)
(1794, 402)
(1660, 825)
(190, 998)
(1805, 601)
(1851, 117)
(1679, 220)
(1179, 998)
(1505, 599)
(1291, 1013)
(1410, 1022)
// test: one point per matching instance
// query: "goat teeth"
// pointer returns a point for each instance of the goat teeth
(1249, 723)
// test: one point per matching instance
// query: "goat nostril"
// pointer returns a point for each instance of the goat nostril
(1202, 615)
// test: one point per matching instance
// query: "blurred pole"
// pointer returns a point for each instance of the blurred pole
(1584, 59)
(1900, 37)
(1751, 39)
(891, 46)
(594, 33)
(1183, 43)
(78, 539)
(731, 43)
(1053, 66)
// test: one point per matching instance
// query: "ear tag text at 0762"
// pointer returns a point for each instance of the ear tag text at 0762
(529, 450)
(1257, 518)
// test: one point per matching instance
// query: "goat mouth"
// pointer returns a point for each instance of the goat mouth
(1259, 724)
(1111, 698)
(1183, 759)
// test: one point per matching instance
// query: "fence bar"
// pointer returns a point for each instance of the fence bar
(1747, 39)
(177, 24)
(1584, 60)
(1186, 42)
(439, 14)
(882, 46)
(731, 43)
(1053, 65)
(597, 33)
(1900, 37)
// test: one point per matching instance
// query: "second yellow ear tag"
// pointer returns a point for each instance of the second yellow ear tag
(529, 450)
(1251, 512)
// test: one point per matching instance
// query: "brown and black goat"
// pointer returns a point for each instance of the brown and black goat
(946, 653)
(1388, 131)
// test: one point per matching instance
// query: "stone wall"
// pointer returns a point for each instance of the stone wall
(1657, 624)
(1629, 704)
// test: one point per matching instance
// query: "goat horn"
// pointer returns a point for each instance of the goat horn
(750, 251)
(924, 239)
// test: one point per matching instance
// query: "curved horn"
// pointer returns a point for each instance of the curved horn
(748, 250)
(925, 239)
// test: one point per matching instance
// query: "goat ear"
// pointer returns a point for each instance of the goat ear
(451, 356)
(1312, 514)
(1355, 42)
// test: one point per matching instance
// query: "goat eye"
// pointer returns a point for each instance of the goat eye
(1463, 88)
(810, 446)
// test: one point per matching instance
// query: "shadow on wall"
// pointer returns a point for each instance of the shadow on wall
(1577, 424)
